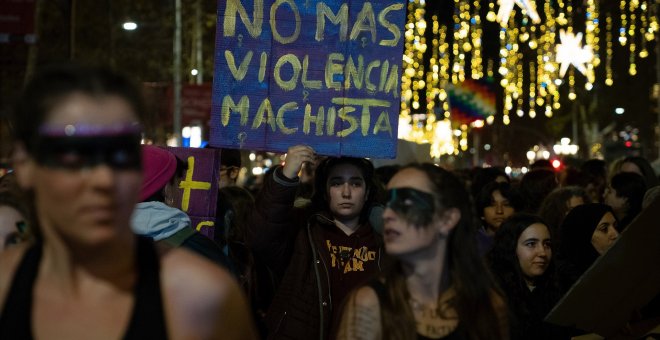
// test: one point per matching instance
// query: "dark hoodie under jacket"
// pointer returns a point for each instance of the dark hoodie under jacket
(316, 264)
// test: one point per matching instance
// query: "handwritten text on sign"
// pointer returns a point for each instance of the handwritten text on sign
(323, 73)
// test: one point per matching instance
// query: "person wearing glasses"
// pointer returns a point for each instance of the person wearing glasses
(86, 275)
(439, 288)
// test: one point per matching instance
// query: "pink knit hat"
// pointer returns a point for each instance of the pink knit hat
(158, 168)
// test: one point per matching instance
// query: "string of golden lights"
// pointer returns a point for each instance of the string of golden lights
(547, 33)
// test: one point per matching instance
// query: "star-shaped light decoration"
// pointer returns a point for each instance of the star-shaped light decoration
(506, 6)
(570, 52)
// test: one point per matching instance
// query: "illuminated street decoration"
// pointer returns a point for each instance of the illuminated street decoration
(506, 6)
(571, 52)
(536, 50)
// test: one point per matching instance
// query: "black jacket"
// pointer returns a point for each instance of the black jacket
(297, 246)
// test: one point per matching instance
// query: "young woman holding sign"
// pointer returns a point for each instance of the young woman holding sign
(318, 253)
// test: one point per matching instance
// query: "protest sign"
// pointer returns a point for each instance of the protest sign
(322, 73)
(620, 282)
(197, 187)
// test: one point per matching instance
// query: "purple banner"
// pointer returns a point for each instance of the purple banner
(322, 73)
(198, 186)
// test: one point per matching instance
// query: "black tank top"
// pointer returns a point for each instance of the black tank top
(381, 292)
(147, 320)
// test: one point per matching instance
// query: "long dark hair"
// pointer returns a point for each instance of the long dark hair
(502, 257)
(632, 187)
(505, 265)
(466, 272)
(575, 253)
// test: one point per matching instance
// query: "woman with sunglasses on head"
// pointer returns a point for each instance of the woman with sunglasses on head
(439, 288)
(521, 261)
(86, 275)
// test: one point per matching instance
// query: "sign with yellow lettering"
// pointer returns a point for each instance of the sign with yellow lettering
(322, 73)
(197, 186)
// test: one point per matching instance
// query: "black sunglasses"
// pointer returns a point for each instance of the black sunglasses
(117, 147)
(416, 206)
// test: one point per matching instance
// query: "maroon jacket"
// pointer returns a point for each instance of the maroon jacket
(315, 262)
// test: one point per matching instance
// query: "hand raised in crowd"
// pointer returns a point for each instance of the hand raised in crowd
(295, 157)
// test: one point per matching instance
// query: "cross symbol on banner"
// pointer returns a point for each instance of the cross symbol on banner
(188, 184)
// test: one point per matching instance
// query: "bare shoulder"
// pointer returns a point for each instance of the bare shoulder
(9, 260)
(194, 283)
(202, 300)
(361, 318)
(184, 269)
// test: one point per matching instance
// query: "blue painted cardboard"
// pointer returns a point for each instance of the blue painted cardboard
(322, 73)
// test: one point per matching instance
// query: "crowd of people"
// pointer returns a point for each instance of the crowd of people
(92, 245)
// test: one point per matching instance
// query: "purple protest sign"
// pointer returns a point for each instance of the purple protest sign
(321, 73)
(197, 187)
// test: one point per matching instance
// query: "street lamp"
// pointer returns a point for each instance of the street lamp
(565, 147)
(129, 26)
(531, 156)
